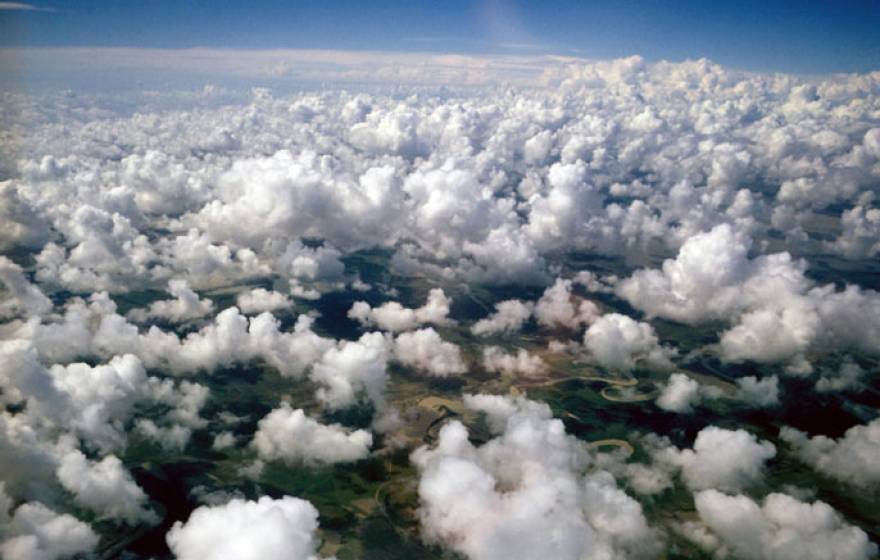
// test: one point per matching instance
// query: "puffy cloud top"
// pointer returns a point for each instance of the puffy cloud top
(777, 311)
(522, 494)
(780, 527)
(617, 341)
(394, 317)
(426, 351)
(266, 529)
(509, 316)
(679, 394)
(854, 458)
(289, 435)
(36, 532)
(724, 459)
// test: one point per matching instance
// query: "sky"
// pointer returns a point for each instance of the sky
(777, 36)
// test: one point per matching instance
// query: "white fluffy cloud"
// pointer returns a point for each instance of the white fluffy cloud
(848, 377)
(19, 297)
(509, 316)
(184, 307)
(171, 438)
(759, 393)
(393, 317)
(425, 351)
(679, 394)
(104, 487)
(311, 270)
(729, 460)
(69, 409)
(484, 185)
(265, 529)
(23, 227)
(853, 458)
(724, 459)
(352, 369)
(709, 279)
(106, 251)
(780, 527)
(559, 308)
(93, 403)
(778, 313)
(103, 398)
(523, 494)
(289, 195)
(260, 300)
(495, 359)
(94, 328)
(619, 342)
(24, 379)
(35, 532)
(289, 435)
(860, 238)
(205, 263)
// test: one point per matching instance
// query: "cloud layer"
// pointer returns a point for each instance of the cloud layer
(546, 216)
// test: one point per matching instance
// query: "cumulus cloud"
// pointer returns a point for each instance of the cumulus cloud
(59, 414)
(564, 213)
(94, 403)
(104, 487)
(184, 307)
(265, 529)
(352, 370)
(104, 250)
(162, 184)
(523, 493)
(495, 359)
(28, 457)
(23, 226)
(393, 317)
(290, 196)
(509, 316)
(171, 438)
(311, 270)
(759, 393)
(848, 377)
(289, 435)
(559, 308)
(779, 527)
(853, 458)
(680, 393)
(729, 460)
(707, 280)
(619, 342)
(20, 297)
(777, 312)
(425, 351)
(94, 328)
(36, 532)
(484, 186)
(860, 238)
(23, 379)
(260, 300)
(223, 440)
(205, 263)
(103, 397)
(724, 459)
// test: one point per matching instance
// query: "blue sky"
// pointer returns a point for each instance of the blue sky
(801, 37)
